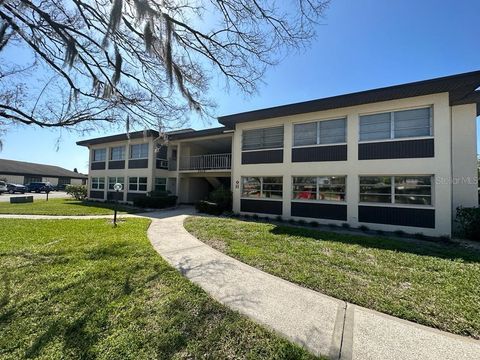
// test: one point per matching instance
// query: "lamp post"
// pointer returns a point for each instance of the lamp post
(117, 187)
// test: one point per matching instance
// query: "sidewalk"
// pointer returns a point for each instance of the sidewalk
(324, 325)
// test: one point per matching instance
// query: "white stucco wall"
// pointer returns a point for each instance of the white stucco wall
(353, 168)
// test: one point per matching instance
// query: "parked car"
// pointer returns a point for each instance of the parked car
(16, 188)
(60, 187)
(3, 187)
(39, 187)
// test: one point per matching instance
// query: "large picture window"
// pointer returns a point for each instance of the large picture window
(99, 154)
(258, 139)
(113, 180)
(137, 184)
(396, 124)
(262, 187)
(117, 153)
(327, 188)
(98, 183)
(320, 132)
(415, 190)
(139, 151)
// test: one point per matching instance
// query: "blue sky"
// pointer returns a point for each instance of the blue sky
(360, 45)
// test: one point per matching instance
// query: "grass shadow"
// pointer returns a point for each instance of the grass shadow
(448, 251)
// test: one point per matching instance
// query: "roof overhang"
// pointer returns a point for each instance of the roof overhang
(461, 89)
(119, 137)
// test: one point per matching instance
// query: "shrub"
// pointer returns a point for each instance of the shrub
(380, 232)
(332, 225)
(78, 192)
(279, 218)
(346, 225)
(208, 207)
(222, 197)
(219, 201)
(399, 232)
(155, 202)
(255, 217)
(364, 228)
(469, 221)
(419, 236)
(292, 221)
(314, 223)
(302, 222)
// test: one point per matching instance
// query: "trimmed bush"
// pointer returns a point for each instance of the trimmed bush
(469, 221)
(78, 192)
(208, 207)
(219, 201)
(155, 202)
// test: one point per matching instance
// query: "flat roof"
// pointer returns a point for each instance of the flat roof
(14, 167)
(119, 137)
(461, 89)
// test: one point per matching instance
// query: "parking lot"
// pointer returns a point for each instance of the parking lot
(51, 195)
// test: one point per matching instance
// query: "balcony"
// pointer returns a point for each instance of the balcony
(206, 162)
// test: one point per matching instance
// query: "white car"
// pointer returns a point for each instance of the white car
(3, 187)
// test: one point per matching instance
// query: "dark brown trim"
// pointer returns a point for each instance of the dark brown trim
(404, 149)
(270, 207)
(320, 153)
(99, 165)
(198, 133)
(115, 195)
(116, 164)
(119, 137)
(458, 86)
(132, 196)
(138, 163)
(262, 157)
(424, 218)
(319, 210)
(96, 194)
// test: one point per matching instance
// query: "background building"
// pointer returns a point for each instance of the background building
(20, 172)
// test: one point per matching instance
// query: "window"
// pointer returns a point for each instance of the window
(270, 138)
(117, 153)
(137, 183)
(262, 187)
(160, 184)
(329, 188)
(320, 132)
(98, 183)
(113, 180)
(396, 124)
(99, 154)
(396, 189)
(139, 151)
(161, 151)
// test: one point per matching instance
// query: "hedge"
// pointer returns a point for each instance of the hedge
(155, 202)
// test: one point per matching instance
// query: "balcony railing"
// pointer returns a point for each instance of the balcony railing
(206, 162)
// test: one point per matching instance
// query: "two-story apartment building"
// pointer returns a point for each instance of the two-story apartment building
(395, 158)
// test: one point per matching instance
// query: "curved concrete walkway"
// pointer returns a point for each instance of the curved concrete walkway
(324, 325)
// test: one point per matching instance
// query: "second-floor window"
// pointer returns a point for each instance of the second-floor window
(98, 183)
(262, 187)
(117, 153)
(139, 151)
(99, 154)
(259, 139)
(320, 132)
(396, 124)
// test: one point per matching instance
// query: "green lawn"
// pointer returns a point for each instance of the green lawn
(62, 207)
(433, 284)
(83, 289)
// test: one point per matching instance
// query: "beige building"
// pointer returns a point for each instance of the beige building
(396, 158)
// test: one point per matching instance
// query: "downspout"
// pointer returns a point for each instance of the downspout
(452, 222)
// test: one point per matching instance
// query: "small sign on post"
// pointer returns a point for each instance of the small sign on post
(117, 187)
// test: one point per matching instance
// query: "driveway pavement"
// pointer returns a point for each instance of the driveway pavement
(52, 195)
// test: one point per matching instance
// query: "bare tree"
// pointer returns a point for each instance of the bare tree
(149, 62)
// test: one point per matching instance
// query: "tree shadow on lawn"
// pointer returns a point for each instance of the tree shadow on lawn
(448, 251)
